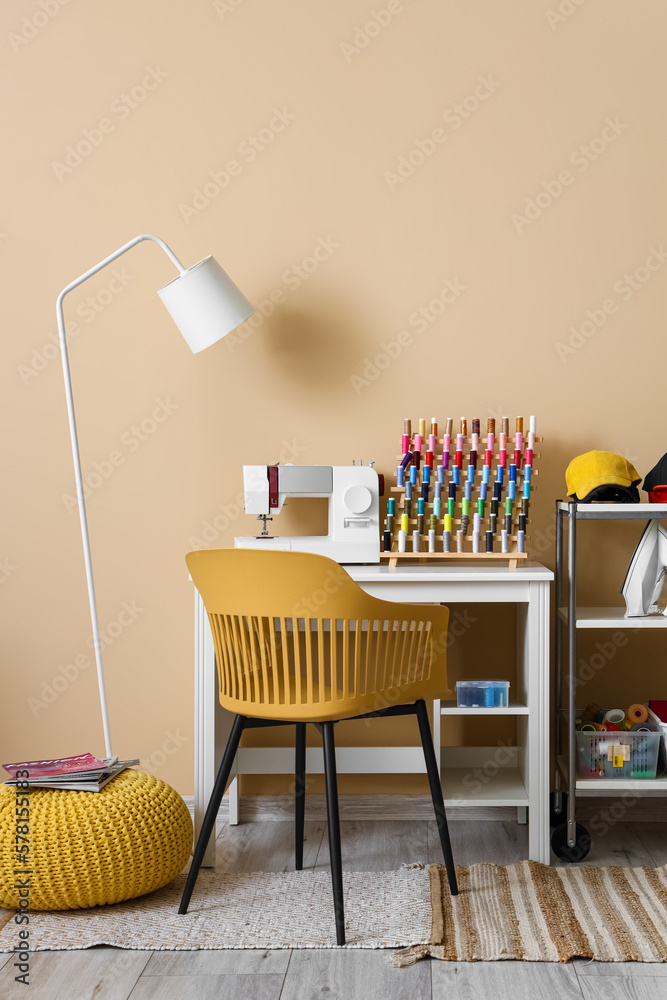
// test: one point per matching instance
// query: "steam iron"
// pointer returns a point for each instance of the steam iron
(646, 573)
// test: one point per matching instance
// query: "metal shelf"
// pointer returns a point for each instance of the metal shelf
(611, 618)
(614, 511)
(612, 786)
(570, 618)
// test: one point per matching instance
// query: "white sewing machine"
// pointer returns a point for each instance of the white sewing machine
(354, 508)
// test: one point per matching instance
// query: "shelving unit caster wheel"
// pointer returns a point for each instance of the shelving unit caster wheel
(561, 848)
(556, 818)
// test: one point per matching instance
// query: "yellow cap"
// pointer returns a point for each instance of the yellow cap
(598, 468)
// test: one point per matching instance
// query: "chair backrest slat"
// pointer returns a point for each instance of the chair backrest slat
(273, 653)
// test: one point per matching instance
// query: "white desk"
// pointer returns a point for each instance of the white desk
(482, 776)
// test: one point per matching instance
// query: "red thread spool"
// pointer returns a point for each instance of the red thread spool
(488, 457)
(429, 459)
(405, 445)
(529, 456)
(517, 458)
(459, 459)
(502, 458)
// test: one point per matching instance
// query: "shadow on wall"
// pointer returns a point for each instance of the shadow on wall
(312, 350)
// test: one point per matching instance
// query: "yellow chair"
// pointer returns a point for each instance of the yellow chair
(297, 641)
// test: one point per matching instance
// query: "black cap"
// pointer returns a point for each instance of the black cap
(612, 493)
(657, 476)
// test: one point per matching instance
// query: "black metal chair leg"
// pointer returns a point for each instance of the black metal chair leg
(436, 794)
(212, 810)
(327, 730)
(299, 793)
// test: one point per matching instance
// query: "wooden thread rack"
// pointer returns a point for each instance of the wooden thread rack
(512, 464)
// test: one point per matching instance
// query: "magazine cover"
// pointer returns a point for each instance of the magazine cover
(62, 765)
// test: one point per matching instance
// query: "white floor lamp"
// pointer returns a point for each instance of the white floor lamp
(205, 305)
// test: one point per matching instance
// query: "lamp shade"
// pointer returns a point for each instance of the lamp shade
(205, 304)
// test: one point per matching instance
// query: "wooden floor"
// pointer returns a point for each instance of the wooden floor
(112, 974)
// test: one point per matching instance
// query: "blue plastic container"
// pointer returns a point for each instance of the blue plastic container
(482, 694)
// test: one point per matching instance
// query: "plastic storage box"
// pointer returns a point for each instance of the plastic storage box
(482, 694)
(618, 755)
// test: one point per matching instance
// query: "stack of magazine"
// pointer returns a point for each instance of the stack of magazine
(84, 773)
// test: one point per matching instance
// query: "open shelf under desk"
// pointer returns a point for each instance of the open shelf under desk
(611, 618)
(460, 787)
(451, 708)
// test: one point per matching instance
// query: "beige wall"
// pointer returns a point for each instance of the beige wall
(345, 102)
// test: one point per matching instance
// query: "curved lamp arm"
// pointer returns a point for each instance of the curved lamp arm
(77, 460)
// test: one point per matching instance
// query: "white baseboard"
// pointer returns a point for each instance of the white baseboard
(263, 808)
(267, 808)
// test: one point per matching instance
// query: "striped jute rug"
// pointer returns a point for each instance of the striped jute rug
(524, 911)
(534, 913)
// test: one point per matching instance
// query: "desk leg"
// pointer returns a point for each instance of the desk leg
(212, 727)
(534, 649)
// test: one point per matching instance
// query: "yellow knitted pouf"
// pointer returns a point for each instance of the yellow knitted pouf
(88, 848)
